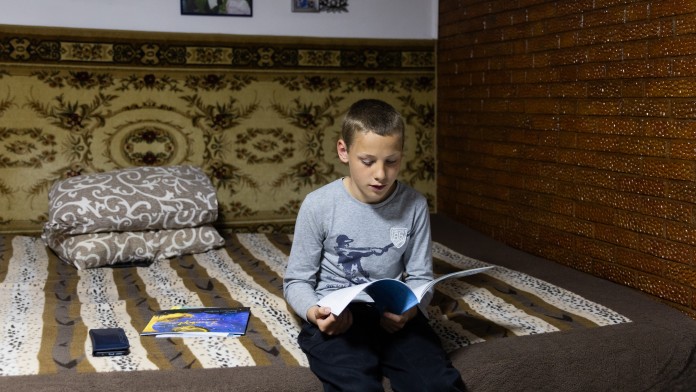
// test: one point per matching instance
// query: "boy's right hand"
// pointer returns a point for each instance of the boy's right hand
(329, 323)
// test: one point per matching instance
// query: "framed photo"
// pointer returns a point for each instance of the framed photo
(305, 5)
(217, 7)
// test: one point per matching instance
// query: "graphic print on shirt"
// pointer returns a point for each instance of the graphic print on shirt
(398, 236)
(350, 259)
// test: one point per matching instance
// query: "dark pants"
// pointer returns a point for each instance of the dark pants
(411, 358)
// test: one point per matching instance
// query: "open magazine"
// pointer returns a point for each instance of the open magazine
(190, 322)
(389, 294)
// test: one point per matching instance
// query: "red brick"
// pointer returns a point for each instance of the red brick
(681, 232)
(637, 11)
(680, 273)
(544, 75)
(604, 89)
(641, 185)
(569, 73)
(566, 139)
(670, 88)
(669, 169)
(621, 237)
(632, 88)
(502, 91)
(682, 149)
(547, 127)
(616, 273)
(568, 39)
(684, 66)
(639, 223)
(570, 22)
(590, 176)
(660, 8)
(684, 24)
(669, 128)
(638, 260)
(684, 108)
(603, 17)
(545, 10)
(566, 129)
(534, 91)
(542, 43)
(595, 249)
(557, 238)
(677, 46)
(641, 30)
(664, 288)
(598, 107)
(606, 52)
(592, 71)
(667, 249)
(646, 107)
(565, 8)
(682, 190)
(641, 69)
(635, 50)
(594, 213)
(567, 56)
(622, 144)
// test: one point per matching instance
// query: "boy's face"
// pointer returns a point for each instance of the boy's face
(374, 162)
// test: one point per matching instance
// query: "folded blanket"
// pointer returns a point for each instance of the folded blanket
(100, 249)
(131, 199)
(139, 214)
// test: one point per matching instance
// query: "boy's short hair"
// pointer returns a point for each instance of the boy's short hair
(372, 115)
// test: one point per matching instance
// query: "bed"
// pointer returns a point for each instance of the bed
(528, 324)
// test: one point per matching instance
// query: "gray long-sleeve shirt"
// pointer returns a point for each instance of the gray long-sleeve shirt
(340, 241)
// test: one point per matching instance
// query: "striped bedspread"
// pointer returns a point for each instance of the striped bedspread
(48, 307)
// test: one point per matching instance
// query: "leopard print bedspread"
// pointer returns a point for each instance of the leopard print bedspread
(48, 307)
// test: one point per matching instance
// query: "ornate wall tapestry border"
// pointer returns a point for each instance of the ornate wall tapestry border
(259, 115)
(89, 47)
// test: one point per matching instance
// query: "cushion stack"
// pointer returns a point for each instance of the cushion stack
(132, 215)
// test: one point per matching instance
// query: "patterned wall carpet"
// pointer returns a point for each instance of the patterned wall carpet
(259, 115)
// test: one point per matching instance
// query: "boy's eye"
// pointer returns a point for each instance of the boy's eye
(369, 162)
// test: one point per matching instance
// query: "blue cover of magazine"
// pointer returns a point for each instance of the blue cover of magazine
(185, 322)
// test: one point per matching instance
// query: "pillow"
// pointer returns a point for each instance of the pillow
(132, 199)
(102, 249)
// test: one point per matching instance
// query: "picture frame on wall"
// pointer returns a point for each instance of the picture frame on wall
(217, 7)
(305, 5)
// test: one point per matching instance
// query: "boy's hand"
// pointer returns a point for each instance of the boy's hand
(329, 323)
(394, 322)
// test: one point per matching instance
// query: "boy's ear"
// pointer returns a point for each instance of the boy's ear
(342, 149)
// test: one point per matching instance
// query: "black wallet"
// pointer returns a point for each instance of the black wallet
(109, 342)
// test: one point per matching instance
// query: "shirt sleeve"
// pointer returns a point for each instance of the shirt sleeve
(301, 273)
(418, 262)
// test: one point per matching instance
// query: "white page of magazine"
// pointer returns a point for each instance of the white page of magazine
(392, 294)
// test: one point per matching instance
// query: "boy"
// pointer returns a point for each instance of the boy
(363, 227)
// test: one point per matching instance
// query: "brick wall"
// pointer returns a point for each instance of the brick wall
(568, 129)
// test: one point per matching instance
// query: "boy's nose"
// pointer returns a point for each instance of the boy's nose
(379, 172)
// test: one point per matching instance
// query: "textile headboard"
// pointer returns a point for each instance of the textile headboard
(259, 115)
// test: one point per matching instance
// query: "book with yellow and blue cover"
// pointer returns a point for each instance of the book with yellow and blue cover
(190, 322)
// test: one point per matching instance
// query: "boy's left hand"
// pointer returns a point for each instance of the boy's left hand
(394, 322)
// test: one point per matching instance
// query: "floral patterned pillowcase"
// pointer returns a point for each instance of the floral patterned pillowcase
(102, 249)
(132, 199)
